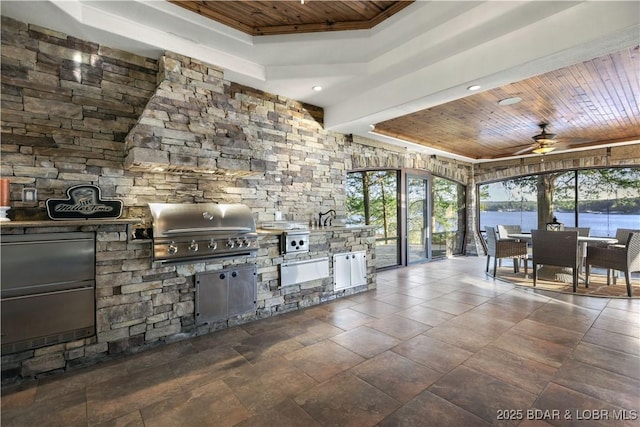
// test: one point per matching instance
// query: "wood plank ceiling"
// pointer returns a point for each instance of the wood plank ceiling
(260, 18)
(586, 104)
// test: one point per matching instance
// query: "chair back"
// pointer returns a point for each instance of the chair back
(582, 231)
(558, 248)
(633, 252)
(505, 230)
(492, 240)
(622, 234)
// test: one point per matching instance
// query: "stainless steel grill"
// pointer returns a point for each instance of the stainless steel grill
(200, 231)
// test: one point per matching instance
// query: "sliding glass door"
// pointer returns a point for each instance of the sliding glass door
(417, 219)
(448, 217)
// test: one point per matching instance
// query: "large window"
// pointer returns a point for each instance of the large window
(601, 199)
(372, 199)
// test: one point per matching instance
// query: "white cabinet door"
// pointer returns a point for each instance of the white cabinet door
(349, 270)
(358, 268)
(341, 271)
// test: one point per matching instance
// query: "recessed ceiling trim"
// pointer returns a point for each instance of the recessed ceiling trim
(265, 18)
(88, 14)
(398, 142)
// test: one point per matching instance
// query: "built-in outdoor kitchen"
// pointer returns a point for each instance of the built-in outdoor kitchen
(142, 298)
(232, 202)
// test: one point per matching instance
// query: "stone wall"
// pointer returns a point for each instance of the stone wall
(627, 155)
(67, 105)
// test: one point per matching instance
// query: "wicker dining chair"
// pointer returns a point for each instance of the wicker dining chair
(617, 258)
(622, 234)
(582, 231)
(582, 248)
(498, 248)
(558, 248)
(505, 230)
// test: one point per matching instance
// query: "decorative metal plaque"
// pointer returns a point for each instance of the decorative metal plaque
(84, 202)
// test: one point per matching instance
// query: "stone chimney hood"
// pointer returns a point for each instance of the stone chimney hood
(191, 125)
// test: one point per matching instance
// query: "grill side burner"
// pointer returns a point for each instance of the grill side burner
(201, 231)
(295, 241)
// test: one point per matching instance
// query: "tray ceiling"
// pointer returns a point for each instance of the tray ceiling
(259, 18)
(575, 65)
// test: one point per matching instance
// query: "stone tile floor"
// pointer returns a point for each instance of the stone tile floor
(437, 344)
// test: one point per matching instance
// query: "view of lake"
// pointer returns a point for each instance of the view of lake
(601, 224)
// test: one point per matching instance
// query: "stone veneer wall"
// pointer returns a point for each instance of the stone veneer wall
(628, 155)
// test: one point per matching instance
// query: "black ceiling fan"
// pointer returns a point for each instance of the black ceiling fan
(544, 142)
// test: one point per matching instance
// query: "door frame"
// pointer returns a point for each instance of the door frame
(405, 176)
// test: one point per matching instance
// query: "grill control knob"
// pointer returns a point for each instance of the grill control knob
(172, 249)
(246, 243)
(213, 245)
(193, 246)
(230, 244)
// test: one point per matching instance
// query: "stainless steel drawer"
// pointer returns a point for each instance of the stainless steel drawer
(33, 260)
(46, 319)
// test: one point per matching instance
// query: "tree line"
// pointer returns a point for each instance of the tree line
(629, 205)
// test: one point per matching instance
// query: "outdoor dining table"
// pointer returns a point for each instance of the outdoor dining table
(583, 240)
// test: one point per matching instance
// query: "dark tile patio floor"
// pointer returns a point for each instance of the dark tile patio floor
(437, 344)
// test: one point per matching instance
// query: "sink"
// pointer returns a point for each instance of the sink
(284, 225)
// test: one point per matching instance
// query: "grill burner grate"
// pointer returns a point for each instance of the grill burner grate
(201, 231)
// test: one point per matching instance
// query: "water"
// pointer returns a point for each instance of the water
(601, 224)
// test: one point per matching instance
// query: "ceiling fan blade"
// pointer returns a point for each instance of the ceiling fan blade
(524, 150)
(563, 145)
(574, 141)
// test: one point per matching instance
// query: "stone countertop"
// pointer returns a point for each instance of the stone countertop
(68, 223)
(313, 230)
(342, 228)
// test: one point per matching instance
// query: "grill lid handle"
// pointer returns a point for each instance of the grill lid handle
(208, 230)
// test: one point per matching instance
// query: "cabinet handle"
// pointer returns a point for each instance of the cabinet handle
(222, 276)
(234, 274)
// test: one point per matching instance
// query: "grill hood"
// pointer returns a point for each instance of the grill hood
(181, 219)
(202, 231)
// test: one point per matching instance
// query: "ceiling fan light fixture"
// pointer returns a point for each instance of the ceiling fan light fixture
(543, 149)
(545, 138)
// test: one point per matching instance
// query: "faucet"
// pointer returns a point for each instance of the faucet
(330, 215)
